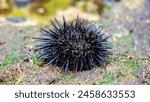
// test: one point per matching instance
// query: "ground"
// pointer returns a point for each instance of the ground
(126, 23)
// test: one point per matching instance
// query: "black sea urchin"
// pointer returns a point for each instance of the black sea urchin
(74, 46)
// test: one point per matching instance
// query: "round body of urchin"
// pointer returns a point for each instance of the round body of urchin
(74, 46)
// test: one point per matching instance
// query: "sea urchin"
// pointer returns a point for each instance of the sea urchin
(74, 46)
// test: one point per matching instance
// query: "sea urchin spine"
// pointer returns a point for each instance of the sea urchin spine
(74, 46)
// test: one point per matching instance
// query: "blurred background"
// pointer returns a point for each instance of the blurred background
(42, 10)
(127, 22)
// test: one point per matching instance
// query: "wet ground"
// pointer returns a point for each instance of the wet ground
(126, 22)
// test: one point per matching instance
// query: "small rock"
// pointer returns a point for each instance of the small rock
(2, 42)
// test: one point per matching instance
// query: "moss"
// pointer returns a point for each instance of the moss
(37, 62)
(39, 9)
(45, 11)
(108, 77)
(54, 5)
(7, 83)
(42, 11)
(62, 4)
(1, 28)
(124, 38)
(122, 55)
(133, 64)
(119, 64)
(143, 57)
(70, 78)
(18, 13)
(14, 56)
(125, 41)
(107, 23)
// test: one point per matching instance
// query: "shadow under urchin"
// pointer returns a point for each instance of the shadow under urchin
(74, 46)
